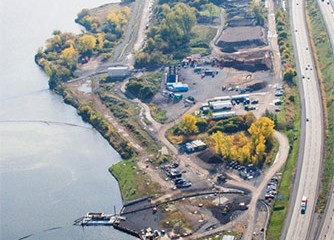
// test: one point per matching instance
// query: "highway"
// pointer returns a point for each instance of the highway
(312, 129)
(327, 230)
(327, 11)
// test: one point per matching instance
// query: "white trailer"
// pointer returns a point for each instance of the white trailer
(222, 115)
(221, 98)
(221, 106)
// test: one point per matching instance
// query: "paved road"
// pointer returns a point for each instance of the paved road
(327, 230)
(312, 129)
(327, 11)
(280, 159)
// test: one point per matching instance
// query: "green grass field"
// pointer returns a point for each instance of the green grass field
(201, 37)
(133, 182)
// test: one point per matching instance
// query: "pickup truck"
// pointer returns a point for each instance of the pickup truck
(303, 205)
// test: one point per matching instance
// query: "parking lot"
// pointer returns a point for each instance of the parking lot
(226, 81)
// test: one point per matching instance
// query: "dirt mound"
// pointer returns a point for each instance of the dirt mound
(259, 60)
(210, 156)
(242, 37)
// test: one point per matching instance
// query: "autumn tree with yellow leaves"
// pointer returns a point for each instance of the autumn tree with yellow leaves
(86, 44)
(69, 56)
(236, 147)
(117, 20)
(239, 147)
(189, 124)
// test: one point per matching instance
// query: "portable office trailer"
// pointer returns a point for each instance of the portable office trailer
(195, 146)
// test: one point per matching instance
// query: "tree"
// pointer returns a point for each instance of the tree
(117, 20)
(211, 8)
(258, 10)
(202, 124)
(69, 56)
(223, 144)
(249, 119)
(263, 126)
(86, 44)
(189, 124)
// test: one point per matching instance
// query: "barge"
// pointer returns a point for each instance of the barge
(97, 218)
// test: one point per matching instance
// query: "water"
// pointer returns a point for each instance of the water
(50, 172)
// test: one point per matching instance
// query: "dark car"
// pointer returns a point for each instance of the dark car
(179, 181)
(185, 184)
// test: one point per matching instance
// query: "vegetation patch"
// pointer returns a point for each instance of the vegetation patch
(158, 114)
(127, 113)
(240, 138)
(144, 87)
(325, 65)
(66, 52)
(133, 182)
(170, 35)
(201, 38)
(280, 207)
(285, 46)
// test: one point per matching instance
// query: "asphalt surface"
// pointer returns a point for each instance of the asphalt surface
(327, 230)
(298, 226)
(327, 11)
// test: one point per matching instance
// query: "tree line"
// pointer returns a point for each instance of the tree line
(241, 138)
(64, 52)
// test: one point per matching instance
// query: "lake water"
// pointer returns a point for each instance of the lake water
(51, 173)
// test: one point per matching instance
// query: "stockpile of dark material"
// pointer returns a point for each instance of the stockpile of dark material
(243, 41)
(210, 157)
(249, 61)
(235, 38)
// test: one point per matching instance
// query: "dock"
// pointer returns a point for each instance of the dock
(98, 219)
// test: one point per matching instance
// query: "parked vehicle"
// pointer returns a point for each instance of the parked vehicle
(179, 181)
(174, 173)
(185, 184)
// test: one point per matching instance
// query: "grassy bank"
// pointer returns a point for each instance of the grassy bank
(98, 121)
(133, 182)
(126, 113)
(280, 207)
(288, 121)
(325, 65)
(201, 38)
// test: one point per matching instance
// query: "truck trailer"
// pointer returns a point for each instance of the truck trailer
(222, 115)
(221, 106)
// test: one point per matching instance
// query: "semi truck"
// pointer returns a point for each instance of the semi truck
(303, 205)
